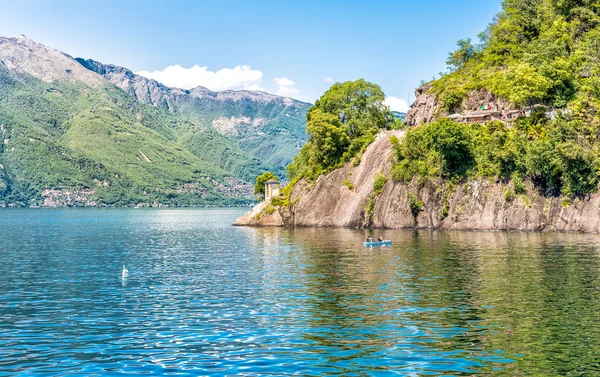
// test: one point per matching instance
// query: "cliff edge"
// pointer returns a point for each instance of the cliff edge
(476, 205)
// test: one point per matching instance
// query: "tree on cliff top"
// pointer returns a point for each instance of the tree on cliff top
(534, 51)
(465, 52)
(259, 187)
(341, 123)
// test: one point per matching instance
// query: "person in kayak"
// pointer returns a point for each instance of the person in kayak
(380, 239)
(369, 239)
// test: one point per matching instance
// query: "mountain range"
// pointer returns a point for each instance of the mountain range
(79, 132)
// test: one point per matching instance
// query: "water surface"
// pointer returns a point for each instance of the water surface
(205, 298)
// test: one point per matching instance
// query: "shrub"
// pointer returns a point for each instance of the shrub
(378, 184)
(416, 205)
(558, 157)
(445, 210)
(518, 185)
(509, 194)
(348, 185)
(440, 148)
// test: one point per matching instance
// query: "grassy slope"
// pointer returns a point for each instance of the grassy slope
(274, 142)
(65, 135)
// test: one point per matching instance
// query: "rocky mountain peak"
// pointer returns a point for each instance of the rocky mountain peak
(22, 54)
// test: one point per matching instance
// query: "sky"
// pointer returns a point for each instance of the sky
(291, 48)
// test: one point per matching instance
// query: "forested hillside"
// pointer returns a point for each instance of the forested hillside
(535, 52)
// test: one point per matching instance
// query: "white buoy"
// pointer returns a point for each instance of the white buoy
(125, 272)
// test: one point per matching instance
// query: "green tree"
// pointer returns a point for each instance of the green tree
(465, 52)
(340, 125)
(259, 187)
(521, 84)
(329, 138)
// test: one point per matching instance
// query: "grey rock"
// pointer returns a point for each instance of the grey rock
(24, 55)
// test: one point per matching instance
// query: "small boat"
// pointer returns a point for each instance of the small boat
(378, 244)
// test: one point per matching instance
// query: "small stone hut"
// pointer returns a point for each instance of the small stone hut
(271, 190)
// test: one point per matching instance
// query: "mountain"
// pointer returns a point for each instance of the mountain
(399, 115)
(268, 127)
(69, 136)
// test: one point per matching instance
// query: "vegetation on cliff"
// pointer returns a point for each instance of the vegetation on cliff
(535, 51)
(342, 123)
(559, 157)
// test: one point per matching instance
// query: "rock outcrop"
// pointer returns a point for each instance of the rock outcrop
(48, 64)
(476, 205)
(427, 107)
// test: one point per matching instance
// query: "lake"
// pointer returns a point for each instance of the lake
(205, 298)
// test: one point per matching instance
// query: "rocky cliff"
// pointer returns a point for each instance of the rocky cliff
(24, 55)
(427, 107)
(476, 205)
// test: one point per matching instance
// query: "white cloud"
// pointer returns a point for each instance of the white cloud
(328, 80)
(255, 87)
(285, 86)
(397, 104)
(240, 77)
(283, 81)
(287, 90)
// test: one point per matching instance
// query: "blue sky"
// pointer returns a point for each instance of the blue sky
(293, 48)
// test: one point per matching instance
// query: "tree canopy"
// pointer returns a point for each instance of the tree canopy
(534, 51)
(462, 55)
(340, 125)
(259, 187)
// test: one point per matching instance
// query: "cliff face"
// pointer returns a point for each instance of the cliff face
(477, 205)
(481, 205)
(23, 55)
(427, 107)
(328, 202)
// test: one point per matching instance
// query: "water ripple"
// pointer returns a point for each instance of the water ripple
(203, 298)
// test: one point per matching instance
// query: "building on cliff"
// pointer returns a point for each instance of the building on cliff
(271, 190)
(487, 115)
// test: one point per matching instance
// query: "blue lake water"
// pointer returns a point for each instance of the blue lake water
(205, 298)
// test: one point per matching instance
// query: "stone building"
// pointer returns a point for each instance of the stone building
(271, 190)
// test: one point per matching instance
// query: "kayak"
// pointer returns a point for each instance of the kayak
(378, 244)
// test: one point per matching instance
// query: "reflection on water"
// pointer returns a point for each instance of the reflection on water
(202, 297)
